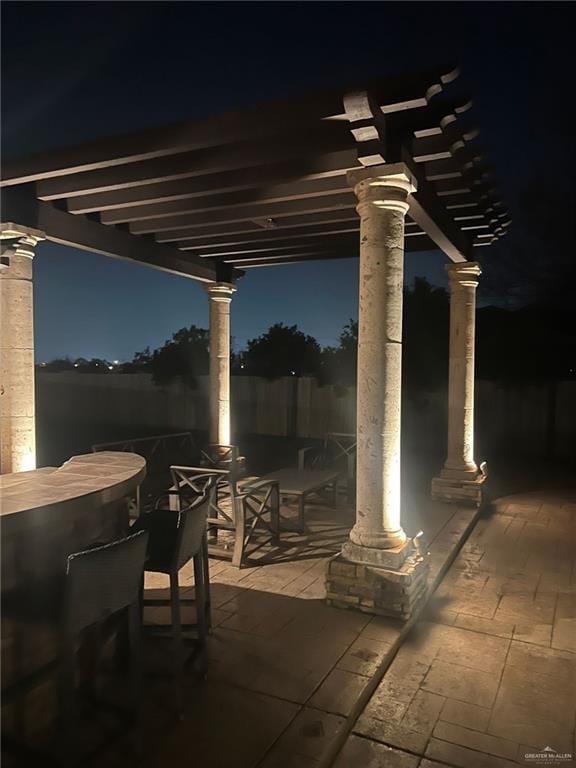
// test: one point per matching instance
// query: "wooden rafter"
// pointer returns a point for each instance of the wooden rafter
(268, 185)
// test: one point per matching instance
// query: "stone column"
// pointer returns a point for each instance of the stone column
(219, 298)
(17, 413)
(460, 478)
(379, 570)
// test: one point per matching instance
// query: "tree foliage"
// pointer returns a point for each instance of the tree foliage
(536, 262)
(185, 356)
(339, 363)
(283, 350)
(424, 341)
(140, 363)
(527, 343)
(426, 323)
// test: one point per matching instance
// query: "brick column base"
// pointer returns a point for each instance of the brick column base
(463, 491)
(380, 591)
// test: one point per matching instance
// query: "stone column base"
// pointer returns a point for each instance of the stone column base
(451, 490)
(383, 591)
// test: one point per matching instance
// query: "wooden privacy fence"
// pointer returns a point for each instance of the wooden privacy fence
(520, 416)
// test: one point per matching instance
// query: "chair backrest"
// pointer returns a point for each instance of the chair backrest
(219, 456)
(337, 451)
(224, 457)
(191, 527)
(190, 482)
(340, 451)
(260, 497)
(103, 580)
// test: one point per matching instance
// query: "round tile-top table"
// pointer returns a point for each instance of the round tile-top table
(93, 479)
(47, 514)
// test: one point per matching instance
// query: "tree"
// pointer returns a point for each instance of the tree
(282, 351)
(339, 364)
(424, 342)
(184, 356)
(58, 365)
(140, 363)
(425, 336)
(536, 261)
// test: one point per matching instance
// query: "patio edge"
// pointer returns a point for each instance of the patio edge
(437, 570)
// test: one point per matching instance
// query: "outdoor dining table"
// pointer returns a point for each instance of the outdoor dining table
(302, 483)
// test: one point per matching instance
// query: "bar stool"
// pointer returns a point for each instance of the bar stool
(100, 584)
(176, 536)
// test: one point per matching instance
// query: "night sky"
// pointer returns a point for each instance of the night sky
(73, 72)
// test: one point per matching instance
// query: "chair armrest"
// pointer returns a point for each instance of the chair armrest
(202, 470)
(257, 485)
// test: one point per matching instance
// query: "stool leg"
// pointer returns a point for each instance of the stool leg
(274, 502)
(66, 695)
(200, 591)
(177, 644)
(206, 568)
(135, 635)
(121, 646)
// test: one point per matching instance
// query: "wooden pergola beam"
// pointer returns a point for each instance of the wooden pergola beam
(435, 222)
(320, 140)
(396, 93)
(261, 236)
(270, 184)
(259, 225)
(82, 233)
(280, 193)
(415, 242)
(242, 213)
(311, 167)
(282, 242)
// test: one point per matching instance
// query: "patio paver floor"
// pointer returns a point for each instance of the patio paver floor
(490, 674)
(300, 664)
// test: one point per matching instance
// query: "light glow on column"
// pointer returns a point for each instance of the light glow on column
(25, 463)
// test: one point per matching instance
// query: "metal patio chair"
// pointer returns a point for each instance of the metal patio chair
(337, 451)
(227, 457)
(248, 512)
(257, 520)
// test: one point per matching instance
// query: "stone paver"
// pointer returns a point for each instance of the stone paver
(467, 715)
(462, 683)
(339, 692)
(363, 753)
(305, 738)
(496, 653)
(236, 708)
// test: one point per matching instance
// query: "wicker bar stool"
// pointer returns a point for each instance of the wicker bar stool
(100, 584)
(176, 536)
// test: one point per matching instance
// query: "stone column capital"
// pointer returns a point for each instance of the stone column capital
(18, 250)
(465, 273)
(382, 187)
(26, 237)
(220, 291)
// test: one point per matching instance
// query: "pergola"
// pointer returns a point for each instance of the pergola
(372, 171)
